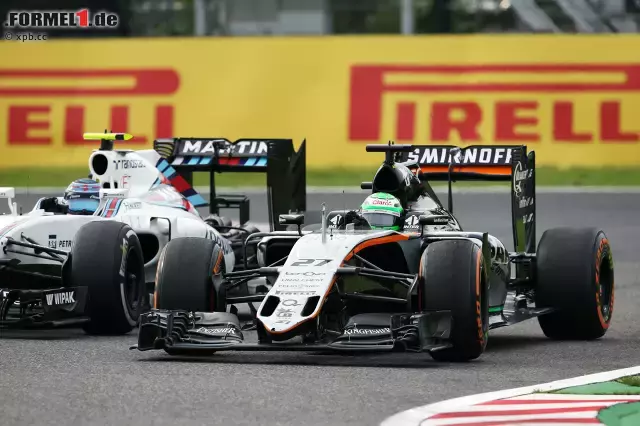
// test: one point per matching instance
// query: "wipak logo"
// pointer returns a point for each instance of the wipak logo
(66, 298)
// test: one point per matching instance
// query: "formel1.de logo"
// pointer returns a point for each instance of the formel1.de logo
(55, 19)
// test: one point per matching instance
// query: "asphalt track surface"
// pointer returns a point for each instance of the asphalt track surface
(64, 377)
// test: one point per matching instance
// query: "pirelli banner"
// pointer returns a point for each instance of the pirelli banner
(573, 99)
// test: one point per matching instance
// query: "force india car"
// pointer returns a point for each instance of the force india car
(98, 270)
(430, 287)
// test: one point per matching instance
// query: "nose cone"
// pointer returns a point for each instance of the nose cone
(308, 275)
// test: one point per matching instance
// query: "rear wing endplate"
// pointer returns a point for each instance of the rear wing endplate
(508, 163)
(285, 168)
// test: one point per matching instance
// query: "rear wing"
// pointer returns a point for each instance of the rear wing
(488, 163)
(285, 169)
(509, 163)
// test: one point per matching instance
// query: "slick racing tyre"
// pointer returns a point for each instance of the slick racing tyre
(189, 276)
(452, 278)
(107, 258)
(574, 276)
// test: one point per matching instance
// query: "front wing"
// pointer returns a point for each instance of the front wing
(188, 333)
(37, 309)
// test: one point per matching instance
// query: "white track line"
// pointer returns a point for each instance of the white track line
(415, 416)
(333, 190)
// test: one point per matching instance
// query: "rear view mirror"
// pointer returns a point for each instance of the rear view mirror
(425, 220)
(291, 219)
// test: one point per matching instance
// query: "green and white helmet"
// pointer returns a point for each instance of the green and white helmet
(383, 211)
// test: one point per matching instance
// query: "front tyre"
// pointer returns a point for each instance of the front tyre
(575, 278)
(452, 278)
(189, 276)
(107, 258)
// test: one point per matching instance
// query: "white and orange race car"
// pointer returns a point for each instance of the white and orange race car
(399, 273)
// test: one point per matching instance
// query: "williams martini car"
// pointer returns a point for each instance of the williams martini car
(89, 257)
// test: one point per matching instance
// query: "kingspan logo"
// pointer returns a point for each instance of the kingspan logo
(366, 331)
(226, 330)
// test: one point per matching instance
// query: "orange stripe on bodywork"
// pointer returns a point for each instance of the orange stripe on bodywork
(356, 249)
(216, 268)
(485, 170)
(374, 242)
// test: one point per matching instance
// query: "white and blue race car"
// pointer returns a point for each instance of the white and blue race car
(90, 257)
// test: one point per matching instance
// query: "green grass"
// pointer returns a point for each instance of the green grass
(546, 176)
(630, 381)
(629, 385)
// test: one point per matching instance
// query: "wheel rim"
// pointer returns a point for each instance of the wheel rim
(216, 293)
(131, 288)
(604, 283)
(484, 303)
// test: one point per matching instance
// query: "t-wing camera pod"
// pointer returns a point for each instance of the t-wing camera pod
(389, 150)
(107, 139)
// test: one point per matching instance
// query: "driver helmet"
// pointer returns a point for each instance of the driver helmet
(83, 197)
(383, 211)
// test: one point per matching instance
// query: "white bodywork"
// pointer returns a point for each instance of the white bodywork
(309, 271)
(311, 268)
(140, 197)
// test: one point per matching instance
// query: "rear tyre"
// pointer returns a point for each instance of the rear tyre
(575, 277)
(452, 277)
(107, 258)
(189, 276)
